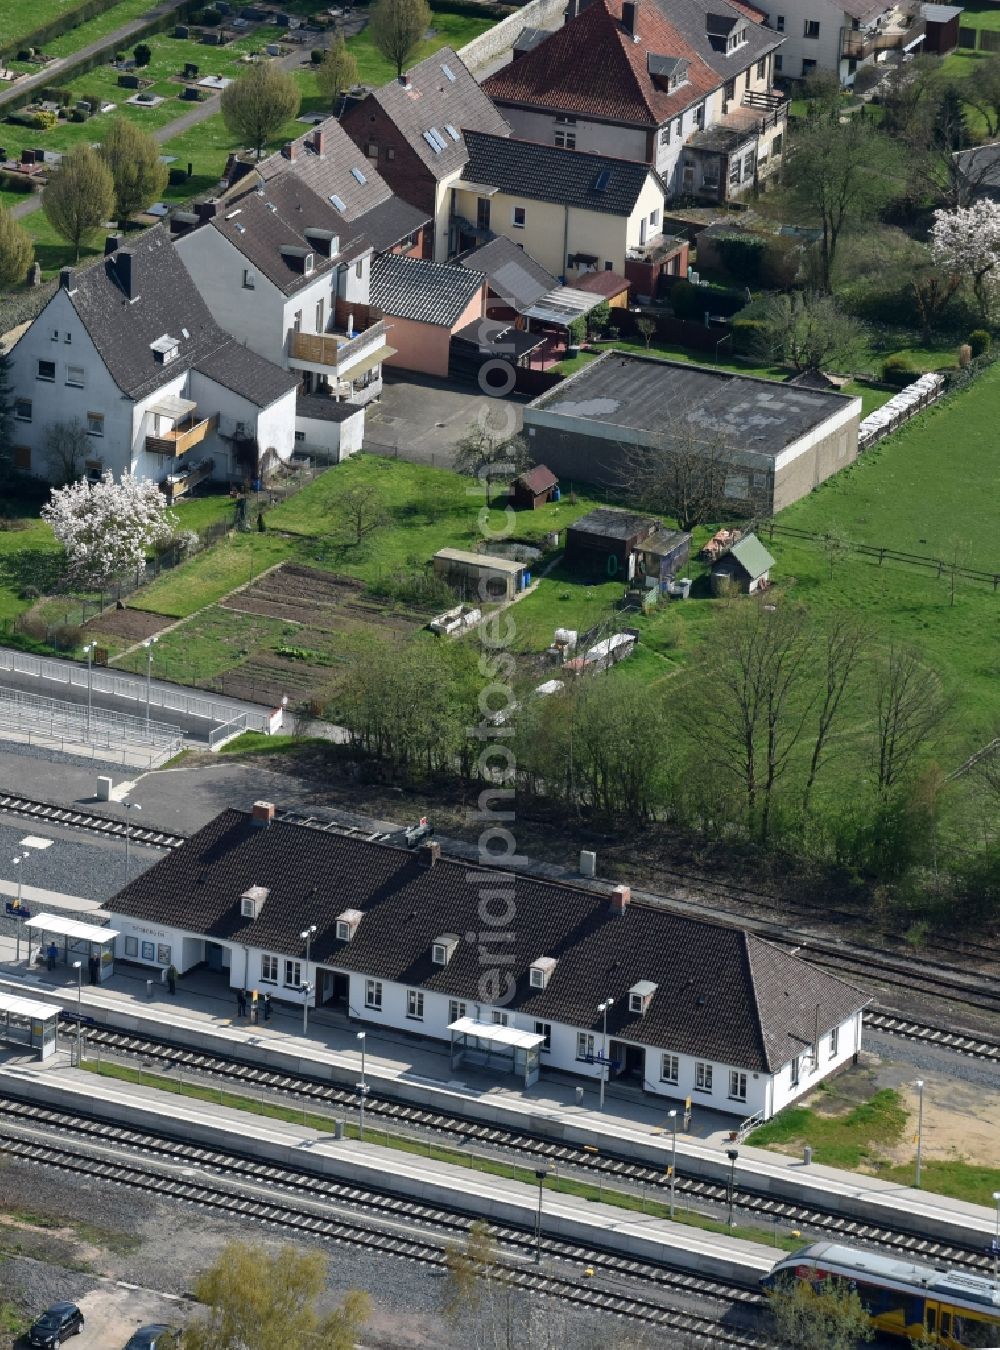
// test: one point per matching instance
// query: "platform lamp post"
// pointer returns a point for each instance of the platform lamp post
(89, 650)
(307, 936)
(996, 1237)
(149, 644)
(540, 1176)
(919, 1085)
(129, 808)
(362, 1086)
(732, 1154)
(78, 967)
(673, 1159)
(603, 1009)
(19, 862)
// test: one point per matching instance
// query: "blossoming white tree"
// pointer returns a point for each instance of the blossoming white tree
(107, 528)
(967, 240)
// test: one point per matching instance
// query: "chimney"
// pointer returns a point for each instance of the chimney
(67, 279)
(263, 815)
(630, 16)
(290, 150)
(111, 244)
(125, 267)
(319, 137)
(620, 897)
(431, 853)
(206, 210)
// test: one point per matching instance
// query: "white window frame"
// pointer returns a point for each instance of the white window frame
(246, 908)
(22, 402)
(703, 1076)
(343, 931)
(293, 968)
(500, 1019)
(248, 279)
(584, 1045)
(737, 1085)
(76, 377)
(415, 1005)
(95, 427)
(834, 1042)
(439, 953)
(670, 1069)
(808, 24)
(522, 223)
(635, 1003)
(795, 1071)
(536, 978)
(373, 994)
(456, 1010)
(269, 968)
(46, 379)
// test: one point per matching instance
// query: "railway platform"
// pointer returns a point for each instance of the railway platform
(418, 1072)
(473, 1193)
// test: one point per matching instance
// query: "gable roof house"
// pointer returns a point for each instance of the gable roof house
(685, 86)
(412, 131)
(838, 36)
(426, 304)
(129, 348)
(698, 1007)
(572, 212)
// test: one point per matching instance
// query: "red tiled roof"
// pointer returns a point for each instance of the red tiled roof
(754, 14)
(537, 480)
(607, 284)
(592, 66)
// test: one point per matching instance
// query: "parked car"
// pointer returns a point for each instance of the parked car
(55, 1324)
(157, 1336)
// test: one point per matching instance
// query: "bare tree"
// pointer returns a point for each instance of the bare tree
(396, 28)
(844, 645)
(364, 509)
(684, 476)
(66, 447)
(337, 73)
(647, 327)
(836, 546)
(909, 705)
(484, 453)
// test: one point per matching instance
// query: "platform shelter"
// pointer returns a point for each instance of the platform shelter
(501, 1049)
(91, 944)
(26, 1022)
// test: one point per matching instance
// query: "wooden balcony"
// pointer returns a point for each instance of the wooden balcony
(319, 349)
(184, 437)
(334, 353)
(177, 484)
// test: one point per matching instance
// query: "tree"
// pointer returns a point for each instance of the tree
(133, 158)
(17, 252)
(909, 707)
(396, 28)
(844, 645)
(933, 288)
(684, 476)
(259, 103)
(809, 331)
(831, 1317)
(647, 327)
(80, 195)
(259, 1300)
(338, 72)
(107, 528)
(983, 93)
(488, 455)
(364, 510)
(967, 241)
(143, 55)
(840, 175)
(66, 447)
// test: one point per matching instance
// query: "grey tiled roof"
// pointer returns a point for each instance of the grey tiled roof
(721, 993)
(330, 173)
(431, 101)
(164, 301)
(390, 222)
(546, 173)
(412, 288)
(511, 273)
(690, 17)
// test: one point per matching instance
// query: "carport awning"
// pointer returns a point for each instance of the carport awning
(367, 363)
(173, 406)
(72, 928)
(562, 305)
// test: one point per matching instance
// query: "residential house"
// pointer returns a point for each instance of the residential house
(685, 86)
(745, 567)
(425, 304)
(571, 211)
(695, 1009)
(836, 36)
(514, 280)
(128, 348)
(767, 443)
(412, 132)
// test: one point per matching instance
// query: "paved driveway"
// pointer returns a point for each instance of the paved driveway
(421, 419)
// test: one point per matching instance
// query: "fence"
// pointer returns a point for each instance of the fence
(74, 725)
(981, 39)
(940, 566)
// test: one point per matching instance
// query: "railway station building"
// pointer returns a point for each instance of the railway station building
(382, 935)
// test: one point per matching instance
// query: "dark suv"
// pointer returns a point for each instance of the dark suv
(55, 1324)
(154, 1337)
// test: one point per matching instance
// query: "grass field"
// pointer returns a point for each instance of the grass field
(23, 17)
(447, 30)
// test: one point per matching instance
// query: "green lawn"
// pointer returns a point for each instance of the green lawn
(27, 558)
(447, 30)
(210, 575)
(24, 17)
(125, 11)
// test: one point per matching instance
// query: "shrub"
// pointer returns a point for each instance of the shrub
(79, 115)
(979, 341)
(26, 54)
(316, 56)
(741, 254)
(209, 18)
(898, 371)
(684, 300)
(143, 54)
(43, 120)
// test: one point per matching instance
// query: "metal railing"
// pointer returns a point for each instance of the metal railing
(234, 727)
(51, 721)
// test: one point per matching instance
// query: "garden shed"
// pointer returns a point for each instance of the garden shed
(534, 488)
(480, 576)
(605, 542)
(747, 567)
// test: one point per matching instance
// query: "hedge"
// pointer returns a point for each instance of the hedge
(690, 302)
(741, 254)
(63, 23)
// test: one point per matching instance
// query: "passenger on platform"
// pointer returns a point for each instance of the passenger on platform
(53, 954)
(267, 1007)
(172, 979)
(94, 966)
(241, 1003)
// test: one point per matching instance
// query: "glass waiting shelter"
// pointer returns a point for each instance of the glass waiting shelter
(23, 1021)
(502, 1049)
(63, 941)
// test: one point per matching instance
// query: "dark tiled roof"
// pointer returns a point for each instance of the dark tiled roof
(545, 173)
(413, 288)
(326, 409)
(275, 217)
(164, 301)
(538, 479)
(390, 222)
(510, 272)
(330, 172)
(608, 522)
(690, 17)
(430, 101)
(721, 993)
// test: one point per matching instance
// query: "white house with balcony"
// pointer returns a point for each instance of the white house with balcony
(583, 982)
(128, 349)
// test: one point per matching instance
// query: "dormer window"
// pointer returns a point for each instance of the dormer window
(165, 349)
(640, 996)
(252, 901)
(737, 39)
(443, 948)
(347, 924)
(300, 259)
(540, 972)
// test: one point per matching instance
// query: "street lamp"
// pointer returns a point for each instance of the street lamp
(673, 1159)
(540, 1176)
(362, 1086)
(148, 644)
(89, 651)
(307, 936)
(21, 858)
(78, 967)
(129, 806)
(996, 1239)
(603, 1009)
(732, 1154)
(919, 1085)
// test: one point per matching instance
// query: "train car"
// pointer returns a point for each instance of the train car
(950, 1308)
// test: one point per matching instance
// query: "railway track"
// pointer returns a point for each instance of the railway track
(614, 1169)
(88, 821)
(262, 1192)
(974, 1046)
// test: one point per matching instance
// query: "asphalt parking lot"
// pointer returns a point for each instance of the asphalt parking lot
(420, 419)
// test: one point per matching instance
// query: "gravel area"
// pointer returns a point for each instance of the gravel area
(76, 863)
(50, 755)
(929, 1059)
